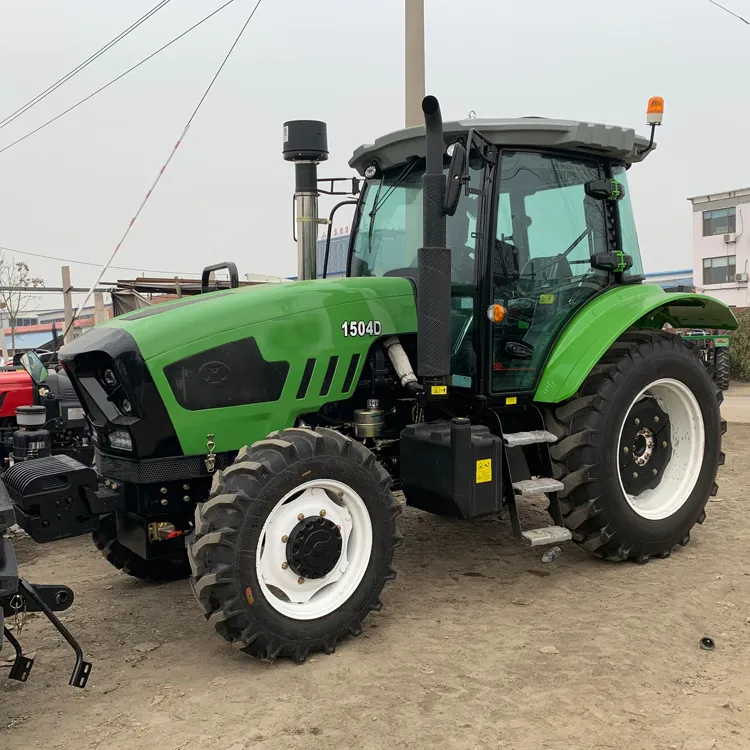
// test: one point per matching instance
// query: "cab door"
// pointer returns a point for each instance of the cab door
(545, 233)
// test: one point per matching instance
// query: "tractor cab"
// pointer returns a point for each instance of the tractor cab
(540, 222)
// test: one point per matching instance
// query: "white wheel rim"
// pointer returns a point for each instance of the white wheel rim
(314, 598)
(688, 444)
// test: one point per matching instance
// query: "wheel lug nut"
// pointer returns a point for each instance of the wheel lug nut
(300, 580)
(654, 472)
(164, 501)
(322, 512)
(656, 419)
(637, 421)
(265, 575)
(284, 565)
(635, 475)
(285, 538)
(664, 444)
(301, 517)
(625, 449)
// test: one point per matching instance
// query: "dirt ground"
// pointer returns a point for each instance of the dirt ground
(479, 645)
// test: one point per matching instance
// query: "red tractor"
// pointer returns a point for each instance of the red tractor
(47, 399)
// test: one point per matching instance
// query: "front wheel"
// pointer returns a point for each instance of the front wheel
(295, 544)
(173, 567)
(639, 447)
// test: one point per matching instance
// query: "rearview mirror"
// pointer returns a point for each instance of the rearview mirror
(35, 367)
(607, 189)
(456, 171)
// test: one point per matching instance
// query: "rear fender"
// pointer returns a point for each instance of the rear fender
(600, 323)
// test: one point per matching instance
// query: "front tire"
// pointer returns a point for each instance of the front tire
(639, 447)
(172, 567)
(295, 544)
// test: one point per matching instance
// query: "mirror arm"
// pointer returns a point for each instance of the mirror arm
(475, 140)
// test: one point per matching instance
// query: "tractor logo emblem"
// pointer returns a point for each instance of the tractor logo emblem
(214, 374)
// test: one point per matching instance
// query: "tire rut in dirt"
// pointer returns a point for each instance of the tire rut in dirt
(174, 567)
(594, 506)
(228, 530)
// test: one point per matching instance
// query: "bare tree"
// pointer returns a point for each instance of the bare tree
(16, 292)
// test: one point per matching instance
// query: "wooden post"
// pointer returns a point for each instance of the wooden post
(100, 314)
(67, 303)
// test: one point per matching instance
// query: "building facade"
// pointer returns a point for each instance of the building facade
(721, 246)
(671, 280)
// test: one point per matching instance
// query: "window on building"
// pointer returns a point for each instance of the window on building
(719, 270)
(721, 221)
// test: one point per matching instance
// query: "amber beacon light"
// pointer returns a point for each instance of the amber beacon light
(655, 110)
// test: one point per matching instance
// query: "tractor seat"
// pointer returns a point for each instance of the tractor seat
(544, 269)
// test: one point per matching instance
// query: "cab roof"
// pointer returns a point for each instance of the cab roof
(584, 138)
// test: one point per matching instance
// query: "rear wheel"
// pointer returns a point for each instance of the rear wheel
(722, 368)
(638, 448)
(169, 568)
(295, 544)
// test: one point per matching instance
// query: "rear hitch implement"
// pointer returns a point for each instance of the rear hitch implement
(18, 597)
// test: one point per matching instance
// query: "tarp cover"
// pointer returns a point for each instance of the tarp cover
(127, 300)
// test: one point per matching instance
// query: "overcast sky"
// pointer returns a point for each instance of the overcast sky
(71, 190)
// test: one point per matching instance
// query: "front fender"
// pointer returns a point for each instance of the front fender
(599, 323)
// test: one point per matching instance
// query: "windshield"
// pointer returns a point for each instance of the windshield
(390, 228)
(35, 367)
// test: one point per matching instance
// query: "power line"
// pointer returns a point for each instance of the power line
(56, 85)
(114, 80)
(169, 159)
(89, 263)
(731, 12)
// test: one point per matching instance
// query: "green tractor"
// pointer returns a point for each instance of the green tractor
(714, 349)
(493, 340)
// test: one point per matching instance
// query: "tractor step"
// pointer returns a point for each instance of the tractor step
(548, 535)
(537, 486)
(514, 439)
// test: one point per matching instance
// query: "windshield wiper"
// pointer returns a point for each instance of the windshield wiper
(377, 204)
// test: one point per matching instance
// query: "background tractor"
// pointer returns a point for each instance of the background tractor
(493, 340)
(714, 349)
(38, 397)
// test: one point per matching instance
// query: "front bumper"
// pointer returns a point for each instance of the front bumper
(58, 497)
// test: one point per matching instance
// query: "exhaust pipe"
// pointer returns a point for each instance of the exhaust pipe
(306, 145)
(434, 261)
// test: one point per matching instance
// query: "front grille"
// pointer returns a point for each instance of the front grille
(154, 470)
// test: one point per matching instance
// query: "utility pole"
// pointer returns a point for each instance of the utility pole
(414, 61)
(67, 304)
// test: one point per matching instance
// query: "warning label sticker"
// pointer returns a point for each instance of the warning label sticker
(484, 470)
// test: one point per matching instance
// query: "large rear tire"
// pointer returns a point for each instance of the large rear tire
(173, 567)
(722, 368)
(295, 544)
(638, 448)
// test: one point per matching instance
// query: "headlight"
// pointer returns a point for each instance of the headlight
(121, 440)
